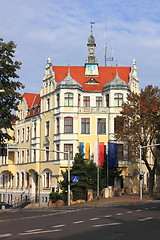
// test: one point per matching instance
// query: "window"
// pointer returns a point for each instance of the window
(86, 101)
(118, 99)
(28, 160)
(18, 158)
(47, 154)
(79, 99)
(107, 100)
(17, 180)
(85, 125)
(27, 179)
(34, 130)
(57, 153)
(98, 101)
(58, 100)
(68, 99)
(68, 125)
(34, 155)
(46, 180)
(27, 135)
(22, 176)
(118, 121)
(48, 103)
(120, 152)
(57, 120)
(22, 156)
(47, 128)
(22, 134)
(18, 133)
(68, 147)
(101, 126)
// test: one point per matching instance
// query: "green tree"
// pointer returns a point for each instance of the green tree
(86, 171)
(139, 125)
(10, 97)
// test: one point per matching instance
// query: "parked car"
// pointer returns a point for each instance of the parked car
(5, 205)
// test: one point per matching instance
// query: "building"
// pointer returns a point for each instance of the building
(76, 105)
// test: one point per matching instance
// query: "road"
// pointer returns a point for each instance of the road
(126, 221)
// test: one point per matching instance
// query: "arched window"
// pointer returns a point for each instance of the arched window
(118, 99)
(68, 125)
(46, 176)
(68, 99)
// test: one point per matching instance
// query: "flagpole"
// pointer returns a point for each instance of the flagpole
(98, 171)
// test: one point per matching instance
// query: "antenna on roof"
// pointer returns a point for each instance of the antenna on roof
(92, 26)
(105, 49)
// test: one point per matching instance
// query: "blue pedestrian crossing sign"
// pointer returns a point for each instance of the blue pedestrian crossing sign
(75, 179)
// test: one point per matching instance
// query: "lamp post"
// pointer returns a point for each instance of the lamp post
(140, 169)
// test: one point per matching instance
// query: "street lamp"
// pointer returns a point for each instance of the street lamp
(140, 169)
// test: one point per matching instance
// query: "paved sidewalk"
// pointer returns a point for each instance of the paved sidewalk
(114, 200)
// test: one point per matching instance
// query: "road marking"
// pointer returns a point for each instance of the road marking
(106, 224)
(61, 225)
(93, 219)
(34, 230)
(129, 212)
(46, 231)
(107, 216)
(5, 235)
(145, 219)
(77, 222)
(119, 214)
(146, 208)
(153, 207)
(138, 210)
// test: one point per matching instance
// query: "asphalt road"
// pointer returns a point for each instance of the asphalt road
(126, 221)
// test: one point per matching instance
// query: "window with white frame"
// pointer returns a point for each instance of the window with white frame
(27, 134)
(22, 134)
(46, 179)
(118, 99)
(101, 126)
(47, 153)
(47, 128)
(85, 125)
(68, 99)
(17, 179)
(68, 125)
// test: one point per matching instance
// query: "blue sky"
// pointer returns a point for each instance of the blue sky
(59, 29)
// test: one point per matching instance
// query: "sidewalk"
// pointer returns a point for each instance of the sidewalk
(124, 199)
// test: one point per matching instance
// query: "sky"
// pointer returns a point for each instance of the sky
(59, 29)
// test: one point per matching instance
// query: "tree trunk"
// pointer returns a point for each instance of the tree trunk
(151, 182)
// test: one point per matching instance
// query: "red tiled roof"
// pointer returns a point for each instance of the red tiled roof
(106, 74)
(31, 99)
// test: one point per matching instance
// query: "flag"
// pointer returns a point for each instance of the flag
(81, 145)
(87, 151)
(112, 154)
(101, 154)
(96, 153)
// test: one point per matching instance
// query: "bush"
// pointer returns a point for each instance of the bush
(54, 196)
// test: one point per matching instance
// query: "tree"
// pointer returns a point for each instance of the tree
(86, 171)
(9, 98)
(139, 125)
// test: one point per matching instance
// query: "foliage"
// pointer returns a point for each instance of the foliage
(140, 126)
(54, 196)
(10, 97)
(86, 171)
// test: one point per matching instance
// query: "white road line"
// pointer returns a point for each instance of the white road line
(153, 207)
(129, 212)
(61, 225)
(107, 216)
(93, 219)
(146, 208)
(145, 219)
(34, 230)
(77, 222)
(106, 224)
(5, 235)
(46, 231)
(119, 214)
(138, 210)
